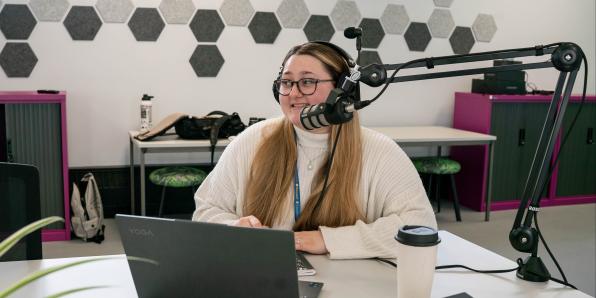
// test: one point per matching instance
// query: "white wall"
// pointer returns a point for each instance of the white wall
(106, 78)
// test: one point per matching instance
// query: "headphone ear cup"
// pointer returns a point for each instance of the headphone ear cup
(275, 93)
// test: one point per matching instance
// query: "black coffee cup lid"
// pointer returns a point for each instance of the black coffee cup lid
(417, 236)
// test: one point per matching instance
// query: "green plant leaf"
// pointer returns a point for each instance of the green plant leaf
(9, 242)
(68, 292)
(41, 273)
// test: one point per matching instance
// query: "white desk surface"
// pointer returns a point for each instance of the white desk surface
(342, 278)
(401, 134)
(407, 134)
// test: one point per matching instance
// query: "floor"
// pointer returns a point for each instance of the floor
(570, 232)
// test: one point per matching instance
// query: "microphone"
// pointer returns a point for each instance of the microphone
(337, 109)
(352, 32)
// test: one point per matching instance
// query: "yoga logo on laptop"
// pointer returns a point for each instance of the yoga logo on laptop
(141, 232)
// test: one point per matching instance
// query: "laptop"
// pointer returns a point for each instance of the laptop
(211, 260)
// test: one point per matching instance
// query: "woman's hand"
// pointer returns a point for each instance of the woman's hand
(311, 242)
(249, 222)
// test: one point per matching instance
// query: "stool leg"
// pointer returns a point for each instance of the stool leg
(437, 194)
(163, 193)
(455, 198)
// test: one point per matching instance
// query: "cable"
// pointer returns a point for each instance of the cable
(455, 266)
(328, 169)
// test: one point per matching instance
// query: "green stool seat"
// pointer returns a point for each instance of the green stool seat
(176, 177)
(434, 167)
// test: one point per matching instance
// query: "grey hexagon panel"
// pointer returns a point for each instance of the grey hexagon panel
(16, 21)
(49, 10)
(17, 59)
(372, 33)
(484, 27)
(236, 12)
(206, 25)
(264, 27)
(114, 11)
(461, 40)
(146, 24)
(206, 60)
(319, 28)
(82, 23)
(441, 23)
(369, 57)
(292, 13)
(395, 19)
(177, 11)
(443, 3)
(345, 14)
(417, 36)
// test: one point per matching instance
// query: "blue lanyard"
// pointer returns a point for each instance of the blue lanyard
(296, 194)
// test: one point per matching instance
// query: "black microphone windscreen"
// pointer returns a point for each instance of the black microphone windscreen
(352, 32)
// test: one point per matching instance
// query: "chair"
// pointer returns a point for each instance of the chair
(20, 201)
(176, 177)
(435, 167)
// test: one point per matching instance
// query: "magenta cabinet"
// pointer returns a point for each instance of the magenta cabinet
(516, 121)
(33, 131)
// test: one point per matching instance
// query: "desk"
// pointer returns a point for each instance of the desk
(170, 143)
(445, 136)
(404, 136)
(342, 278)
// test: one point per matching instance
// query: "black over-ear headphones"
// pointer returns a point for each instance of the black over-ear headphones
(338, 50)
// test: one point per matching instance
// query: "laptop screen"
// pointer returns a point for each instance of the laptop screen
(208, 260)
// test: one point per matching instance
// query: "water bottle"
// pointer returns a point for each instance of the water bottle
(146, 113)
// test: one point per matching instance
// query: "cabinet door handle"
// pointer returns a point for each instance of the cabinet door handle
(590, 137)
(521, 137)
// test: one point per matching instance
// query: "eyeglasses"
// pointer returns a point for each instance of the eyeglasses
(306, 86)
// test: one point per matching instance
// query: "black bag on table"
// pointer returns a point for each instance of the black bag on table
(214, 126)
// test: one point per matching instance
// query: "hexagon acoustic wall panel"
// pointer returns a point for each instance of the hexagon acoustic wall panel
(443, 3)
(417, 37)
(484, 27)
(345, 14)
(236, 12)
(49, 10)
(372, 33)
(114, 11)
(292, 13)
(206, 25)
(206, 60)
(319, 28)
(146, 24)
(82, 23)
(17, 59)
(441, 23)
(177, 11)
(461, 40)
(369, 57)
(395, 19)
(16, 21)
(264, 27)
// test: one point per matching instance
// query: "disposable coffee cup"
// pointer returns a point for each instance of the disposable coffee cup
(416, 261)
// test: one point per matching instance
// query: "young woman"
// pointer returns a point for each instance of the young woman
(273, 173)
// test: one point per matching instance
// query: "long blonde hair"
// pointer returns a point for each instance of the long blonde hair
(274, 164)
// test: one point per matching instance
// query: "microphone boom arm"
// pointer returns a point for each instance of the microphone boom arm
(565, 57)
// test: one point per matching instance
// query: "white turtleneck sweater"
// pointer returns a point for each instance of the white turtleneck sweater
(391, 193)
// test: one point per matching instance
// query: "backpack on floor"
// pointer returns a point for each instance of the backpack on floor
(87, 218)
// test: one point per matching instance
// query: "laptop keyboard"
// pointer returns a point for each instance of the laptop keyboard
(303, 266)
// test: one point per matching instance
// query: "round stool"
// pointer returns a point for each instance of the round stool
(435, 166)
(176, 177)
